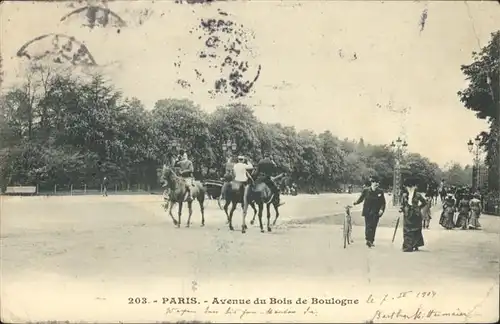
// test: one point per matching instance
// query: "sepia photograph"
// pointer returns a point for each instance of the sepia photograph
(249, 161)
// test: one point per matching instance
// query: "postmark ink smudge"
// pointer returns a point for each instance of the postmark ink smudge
(57, 48)
(226, 49)
(183, 83)
(423, 19)
(95, 16)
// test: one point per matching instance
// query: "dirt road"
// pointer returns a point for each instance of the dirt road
(82, 258)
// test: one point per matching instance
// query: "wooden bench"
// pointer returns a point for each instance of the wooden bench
(21, 190)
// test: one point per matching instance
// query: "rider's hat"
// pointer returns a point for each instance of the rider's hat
(181, 152)
(241, 157)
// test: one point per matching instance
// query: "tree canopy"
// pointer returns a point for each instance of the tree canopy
(482, 96)
(60, 129)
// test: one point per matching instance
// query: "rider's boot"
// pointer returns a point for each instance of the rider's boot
(188, 196)
(276, 192)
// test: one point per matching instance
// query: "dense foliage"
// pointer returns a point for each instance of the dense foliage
(483, 96)
(60, 129)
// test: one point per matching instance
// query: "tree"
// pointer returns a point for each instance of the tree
(184, 122)
(458, 176)
(421, 168)
(482, 95)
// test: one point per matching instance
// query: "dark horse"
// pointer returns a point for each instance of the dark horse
(234, 195)
(260, 194)
(177, 194)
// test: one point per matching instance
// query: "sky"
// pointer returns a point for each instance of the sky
(403, 82)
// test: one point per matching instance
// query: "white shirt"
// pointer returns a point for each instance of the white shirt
(240, 171)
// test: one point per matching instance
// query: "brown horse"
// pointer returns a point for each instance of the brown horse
(234, 195)
(261, 194)
(177, 191)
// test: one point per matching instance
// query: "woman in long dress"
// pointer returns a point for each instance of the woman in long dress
(448, 213)
(412, 224)
(475, 206)
(463, 212)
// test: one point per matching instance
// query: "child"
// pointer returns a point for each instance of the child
(426, 213)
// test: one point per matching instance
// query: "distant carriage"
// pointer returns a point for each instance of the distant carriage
(214, 188)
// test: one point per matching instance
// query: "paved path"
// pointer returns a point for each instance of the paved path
(83, 253)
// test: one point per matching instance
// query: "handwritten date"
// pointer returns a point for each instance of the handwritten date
(404, 294)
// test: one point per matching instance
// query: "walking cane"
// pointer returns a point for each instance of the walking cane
(395, 229)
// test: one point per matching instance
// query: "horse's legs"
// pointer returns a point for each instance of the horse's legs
(277, 213)
(230, 220)
(244, 222)
(226, 205)
(268, 206)
(254, 213)
(261, 207)
(190, 208)
(245, 202)
(170, 212)
(201, 200)
(179, 214)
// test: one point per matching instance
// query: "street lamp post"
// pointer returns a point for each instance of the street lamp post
(474, 148)
(229, 147)
(398, 147)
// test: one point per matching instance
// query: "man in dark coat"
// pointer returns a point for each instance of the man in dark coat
(373, 208)
(265, 169)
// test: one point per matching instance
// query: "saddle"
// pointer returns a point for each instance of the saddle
(189, 182)
(237, 186)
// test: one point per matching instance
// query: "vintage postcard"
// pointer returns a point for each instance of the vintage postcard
(249, 161)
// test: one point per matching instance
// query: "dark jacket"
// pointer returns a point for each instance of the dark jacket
(374, 201)
(266, 167)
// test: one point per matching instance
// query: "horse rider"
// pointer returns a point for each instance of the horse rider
(241, 173)
(186, 170)
(228, 175)
(265, 169)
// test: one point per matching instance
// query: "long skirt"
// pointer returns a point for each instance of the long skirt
(463, 217)
(474, 219)
(446, 219)
(412, 230)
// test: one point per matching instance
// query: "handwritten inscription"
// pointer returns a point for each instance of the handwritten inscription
(244, 308)
(418, 314)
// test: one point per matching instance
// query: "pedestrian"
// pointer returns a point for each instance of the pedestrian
(446, 220)
(426, 212)
(463, 211)
(373, 209)
(105, 187)
(411, 206)
(476, 208)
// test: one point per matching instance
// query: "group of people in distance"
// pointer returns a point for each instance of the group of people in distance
(468, 207)
(416, 212)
